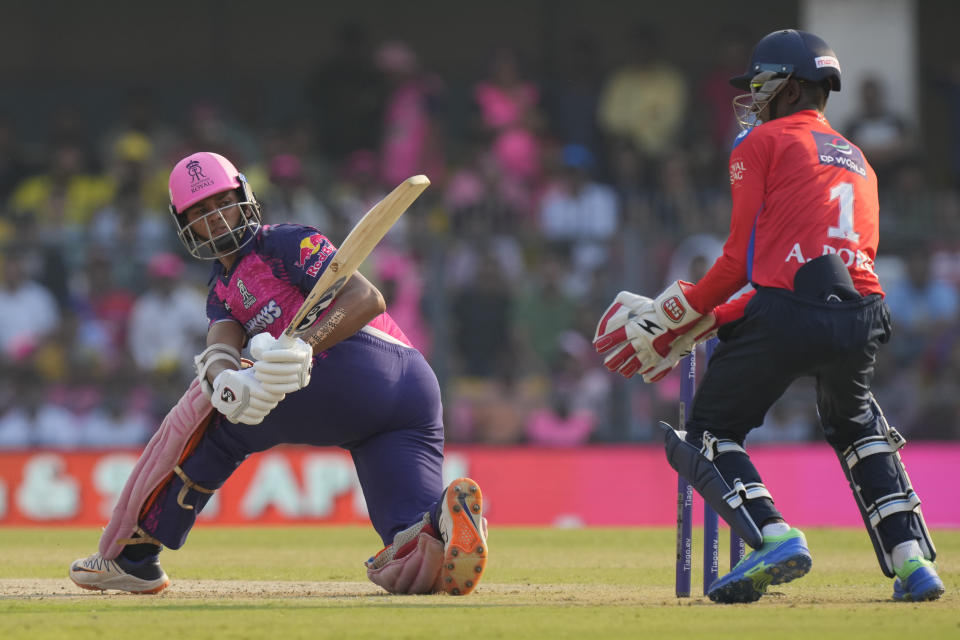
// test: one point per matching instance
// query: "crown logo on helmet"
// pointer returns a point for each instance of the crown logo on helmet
(195, 171)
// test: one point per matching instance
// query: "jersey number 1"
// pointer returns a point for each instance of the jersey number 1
(844, 229)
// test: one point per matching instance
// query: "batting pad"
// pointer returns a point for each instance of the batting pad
(155, 466)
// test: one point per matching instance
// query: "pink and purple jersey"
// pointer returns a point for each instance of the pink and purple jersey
(271, 278)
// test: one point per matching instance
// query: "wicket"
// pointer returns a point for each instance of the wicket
(711, 521)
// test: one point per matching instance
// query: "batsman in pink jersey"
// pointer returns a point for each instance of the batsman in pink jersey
(355, 382)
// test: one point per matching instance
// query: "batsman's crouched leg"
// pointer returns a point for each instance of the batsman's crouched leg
(450, 556)
(411, 564)
(178, 436)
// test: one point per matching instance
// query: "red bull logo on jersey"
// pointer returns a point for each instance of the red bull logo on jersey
(315, 245)
(837, 152)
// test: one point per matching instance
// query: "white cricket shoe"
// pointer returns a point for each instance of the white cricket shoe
(99, 574)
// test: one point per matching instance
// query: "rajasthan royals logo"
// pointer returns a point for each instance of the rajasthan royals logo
(198, 180)
(195, 171)
(248, 298)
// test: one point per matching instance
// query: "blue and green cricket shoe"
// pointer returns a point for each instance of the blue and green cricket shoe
(916, 581)
(781, 559)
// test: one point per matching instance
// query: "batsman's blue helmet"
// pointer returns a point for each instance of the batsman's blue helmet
(792, 52)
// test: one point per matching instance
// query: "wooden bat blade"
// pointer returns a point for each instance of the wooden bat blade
(354, 250)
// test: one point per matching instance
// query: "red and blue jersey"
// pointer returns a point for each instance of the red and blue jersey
(271, 278)
(800, 190)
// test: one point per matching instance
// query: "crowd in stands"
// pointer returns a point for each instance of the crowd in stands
(548, 199)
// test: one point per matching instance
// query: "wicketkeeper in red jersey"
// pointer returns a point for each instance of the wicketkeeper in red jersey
(803, 232)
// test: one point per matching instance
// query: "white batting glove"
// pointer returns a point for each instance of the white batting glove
(240, 397)
(281, 365)
(639, 342)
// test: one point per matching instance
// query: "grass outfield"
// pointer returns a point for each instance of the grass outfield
(540, 583)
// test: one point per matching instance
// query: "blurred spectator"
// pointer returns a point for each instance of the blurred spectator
(139, 134)
(480, 314)
(692, 257)
(579, 393)
(945, 82)
(121, 419)
(644, 100)
(287, 197)
(347, 92)
(132, 228)
(14, 165)
(681, 206)
(131, 234)
(412, 140)
(30, 312)
(575, 96)
(488, 411)
(472, 246)
(398, 277)
(937, 413)
(510, 117)
(544, 311)
(102, 310)
(211, 127)
(358, 189)
(580, 212)
(66, 194)
(480, 197)
(32, 420)
(792, 418)
(921, 306)
(716, 94)
(168, 321)
(555, 424)
(885, 137)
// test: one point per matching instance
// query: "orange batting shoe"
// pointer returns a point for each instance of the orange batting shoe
(464, 532)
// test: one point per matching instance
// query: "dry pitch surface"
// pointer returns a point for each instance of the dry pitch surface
(309, 582)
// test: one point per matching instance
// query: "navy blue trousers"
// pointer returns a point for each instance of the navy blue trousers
(780, 338)
(378, 400)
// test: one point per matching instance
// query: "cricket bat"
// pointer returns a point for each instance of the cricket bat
(352, 252)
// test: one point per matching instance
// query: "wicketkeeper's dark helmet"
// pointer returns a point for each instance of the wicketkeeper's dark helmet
(790, 52)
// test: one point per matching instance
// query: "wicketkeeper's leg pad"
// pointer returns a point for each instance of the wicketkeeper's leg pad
(173, 441)
(698, 468)
(882, 489)
(412, 563)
